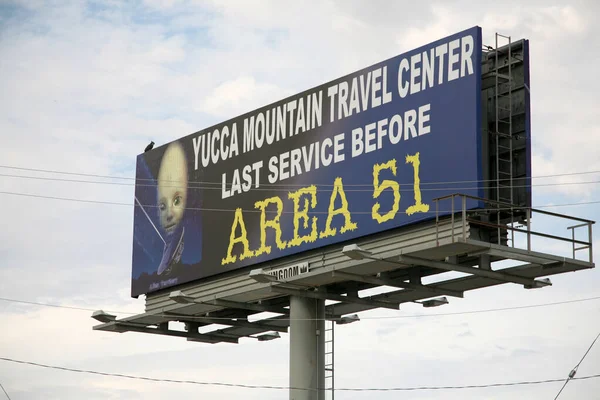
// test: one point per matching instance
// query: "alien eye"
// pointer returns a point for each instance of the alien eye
(177, 201)
(161, 206)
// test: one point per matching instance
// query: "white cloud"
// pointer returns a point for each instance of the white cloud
(241, 95)
(85, 90)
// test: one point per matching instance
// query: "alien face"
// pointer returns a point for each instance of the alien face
(172, 187)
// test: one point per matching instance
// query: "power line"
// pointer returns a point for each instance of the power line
(320, 319)
(257, 211)
(49, 171)
(415, 315)
(60, 306)
(239, 385)
(285, 185)
(574, 370)
(4, 390)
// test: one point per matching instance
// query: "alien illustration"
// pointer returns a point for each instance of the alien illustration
(172, 199)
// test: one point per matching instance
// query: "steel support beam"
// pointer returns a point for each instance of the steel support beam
(500, 276)
(196, 337)
(396, 283)
(248, 306)
(241, 323)
(336, 297)
(517, 254)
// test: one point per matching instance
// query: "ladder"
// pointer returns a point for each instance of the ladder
(503, 133)
(329, 359)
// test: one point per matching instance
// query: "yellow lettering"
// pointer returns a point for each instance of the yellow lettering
(243, 239)
(303, 214)
(418, 206)
(338, 189)
(379, 188)
(273, 223)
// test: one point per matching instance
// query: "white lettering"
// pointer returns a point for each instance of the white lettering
(342, 105)
(224, 147)
(440, 51)
(466, 66)
(214, 148)
(387, 95)
(225, 193)
(409, 124)
(369, 137)
(453, 58)
(375, 99)
(274, 172)
(403, 84)
(415, 72)
(357, 142)
(196, 143)
(338, 148)
(247, 178)
(395, 134)
(331, 92)
(354, 102)
(428, 69)
(423, 119)
(325, 161)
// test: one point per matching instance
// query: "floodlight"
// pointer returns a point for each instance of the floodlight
(180, 297)
(268, 336)
(103, 316)
(439, 301)
(355, 252)
(539, 284)
(259, 275)
(347, 319)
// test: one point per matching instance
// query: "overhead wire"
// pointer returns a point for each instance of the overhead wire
(320, 319)
(4, 390)
(35, 303)
(574, 370)
(246, 386)
(191, 185)
(310, 212)
(422, 182)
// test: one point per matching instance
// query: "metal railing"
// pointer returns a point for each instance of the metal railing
(467, 216)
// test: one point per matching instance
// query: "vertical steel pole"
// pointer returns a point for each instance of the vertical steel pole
(528, 216)
(573, 242)
(452, 218)
(332, 360)
(464, 218)
(437, 223)
(307, 349)
(590, 240)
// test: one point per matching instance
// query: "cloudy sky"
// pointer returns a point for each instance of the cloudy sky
(86, 85)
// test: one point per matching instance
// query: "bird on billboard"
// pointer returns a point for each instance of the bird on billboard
(149, 147)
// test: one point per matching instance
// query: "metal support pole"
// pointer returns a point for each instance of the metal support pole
(332, 360)
(307, 348)
(528, 216)
(590, 240)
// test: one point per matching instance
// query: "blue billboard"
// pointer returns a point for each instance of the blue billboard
(362, 154)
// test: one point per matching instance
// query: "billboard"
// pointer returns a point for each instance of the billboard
(362, 154)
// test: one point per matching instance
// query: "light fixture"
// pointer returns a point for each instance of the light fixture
(347, 319)
(355, 252)
(259, 275)
(265, 337)
(539, 283)
(439, 301)
(179, 297)
(103, 316)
